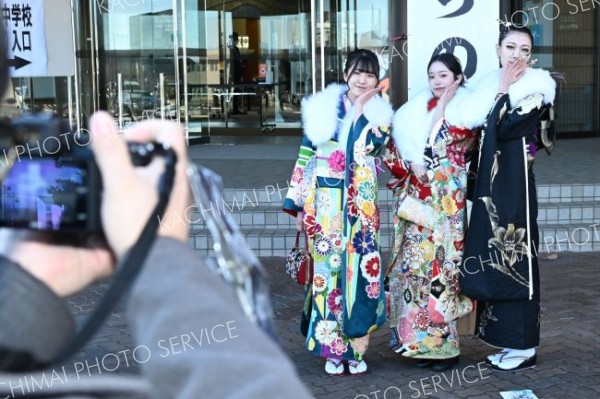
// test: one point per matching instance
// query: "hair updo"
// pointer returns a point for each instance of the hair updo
(451, 62)
(506, 30)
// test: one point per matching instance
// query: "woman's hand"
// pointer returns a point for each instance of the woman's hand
(300, 222)
(512, 73)
(449, 93)
(129, 196)
(363, 98)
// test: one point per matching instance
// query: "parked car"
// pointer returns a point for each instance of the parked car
(135, 99)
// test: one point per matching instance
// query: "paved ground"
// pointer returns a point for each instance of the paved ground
(568, 364)
(568, 367)
(569, 356)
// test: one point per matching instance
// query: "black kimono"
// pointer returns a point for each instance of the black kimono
(500, 267)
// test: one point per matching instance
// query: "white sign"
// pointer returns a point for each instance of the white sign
(467, 28)
(24, 22)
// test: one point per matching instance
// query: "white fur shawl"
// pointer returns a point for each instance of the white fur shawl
(469, 108)
(320, 121)
(412, 123)
(485, 89)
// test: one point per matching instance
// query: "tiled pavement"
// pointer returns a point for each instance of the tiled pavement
(569, 355)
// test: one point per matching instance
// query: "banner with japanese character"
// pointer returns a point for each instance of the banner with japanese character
(24, 23)
(466, 28)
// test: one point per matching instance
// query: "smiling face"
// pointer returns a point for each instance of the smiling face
(359, 81)
(440, 78)
(514, 46)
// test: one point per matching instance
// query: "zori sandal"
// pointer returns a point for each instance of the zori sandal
(496, 357)
(513, 362)
(357, 368)
(334, 367)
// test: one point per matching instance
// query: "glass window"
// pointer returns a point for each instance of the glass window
(566, 41)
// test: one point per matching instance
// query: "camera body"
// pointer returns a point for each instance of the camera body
(54, 183)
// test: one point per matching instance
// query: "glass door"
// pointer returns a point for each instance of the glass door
(244, 65)
(339, 26)
(133, 58)
(218, 63)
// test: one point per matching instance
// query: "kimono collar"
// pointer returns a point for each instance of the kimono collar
(413, 122)
(320, 115)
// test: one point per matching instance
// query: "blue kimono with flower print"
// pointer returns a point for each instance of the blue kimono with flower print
(336, 188)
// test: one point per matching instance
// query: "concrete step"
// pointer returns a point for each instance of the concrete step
(269, 242)
(277, 242)
(270, 216)
(583, 237)
(568, 217)
(561, 193)
(274, 195)
(569, 212)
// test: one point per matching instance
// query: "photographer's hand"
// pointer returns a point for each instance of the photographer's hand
(130, 193)
(63, 268)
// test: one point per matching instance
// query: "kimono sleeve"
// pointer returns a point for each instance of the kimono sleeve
(520, 121)
(294, 200)
(376, 138)
(399, 168)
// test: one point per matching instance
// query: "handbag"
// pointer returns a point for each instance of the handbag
(299, 263)
(416, 211)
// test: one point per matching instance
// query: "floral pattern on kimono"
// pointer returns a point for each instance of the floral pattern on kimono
(424, 299)
(336, 188)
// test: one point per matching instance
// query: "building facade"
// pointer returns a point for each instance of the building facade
(176, 59)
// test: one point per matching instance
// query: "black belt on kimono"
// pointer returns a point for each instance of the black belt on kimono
(329, 182)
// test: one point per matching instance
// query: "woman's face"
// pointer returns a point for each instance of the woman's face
(440, 78)
(359, 81)
(514, 46)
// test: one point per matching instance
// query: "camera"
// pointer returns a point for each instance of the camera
(53, 182)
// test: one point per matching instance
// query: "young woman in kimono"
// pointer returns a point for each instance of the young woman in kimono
(500, 266)
(333, 194)
(433, 136)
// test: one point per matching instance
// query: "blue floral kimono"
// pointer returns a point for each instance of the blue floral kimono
(334, 184)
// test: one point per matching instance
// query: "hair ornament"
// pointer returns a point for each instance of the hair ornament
(506, 23)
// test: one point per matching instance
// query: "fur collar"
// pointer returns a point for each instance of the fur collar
(485, 89)
(320, 121)
(412, 123)
(469, 108)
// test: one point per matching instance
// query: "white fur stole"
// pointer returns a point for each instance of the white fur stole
(485, 90)
(320, 121)
(470, 106)
(412, 123)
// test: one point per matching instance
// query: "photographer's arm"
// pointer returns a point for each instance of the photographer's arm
(187, 316)
(29, 307)
(200, 339)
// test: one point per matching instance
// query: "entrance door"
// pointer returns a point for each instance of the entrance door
(135, 74)
(338, 26)
(219, 63)
(245, 65)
